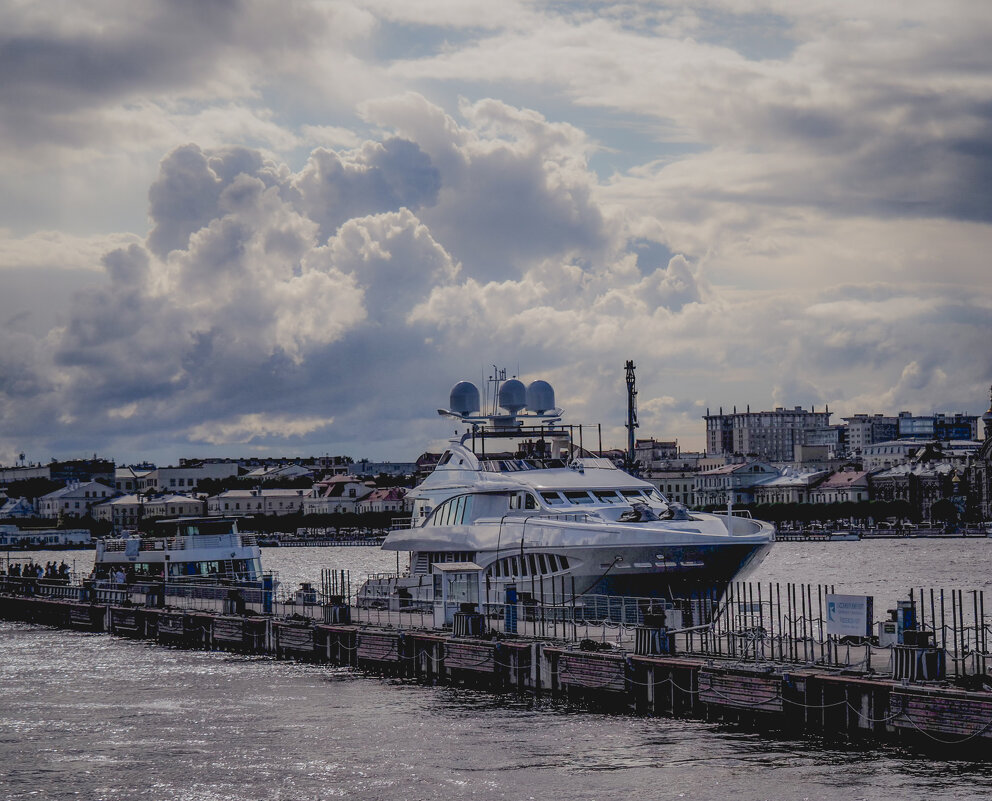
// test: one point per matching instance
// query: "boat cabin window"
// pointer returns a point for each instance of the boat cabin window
(445, 458)
(528, 565)
(453, 512)
(553, 499)
(578, 497)
(607, 496)
(632, 495)
(523, 500)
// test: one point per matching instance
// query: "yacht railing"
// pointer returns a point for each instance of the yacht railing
(182, 543)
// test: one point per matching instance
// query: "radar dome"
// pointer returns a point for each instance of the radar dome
(464, 398)
(540, 397)
(512, 396)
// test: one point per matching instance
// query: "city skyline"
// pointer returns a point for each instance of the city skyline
(251, 229)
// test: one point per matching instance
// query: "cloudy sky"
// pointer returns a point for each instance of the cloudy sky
(288, 228)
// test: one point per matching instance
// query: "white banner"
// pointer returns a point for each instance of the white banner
(850, 615)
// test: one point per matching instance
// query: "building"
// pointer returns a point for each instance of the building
(333, 465)
(336, 495)
(864, 429)
(651, 454)
(982, 469)
(790, 486)
(884, 455)
(732, 482)
(817, 457)
(280, 472)
(676, 485)
(387, 499)
(11, 508)
(426, 463)
(132, 478)
(187, 477)
(920, 484)
(832, 438)
(124, 511)
(69, 471)
(257, 502)
(127, 511)
(938, 426)
(842, 487)
(74, 500)
(8, 475)
(82, 470)
(173, 505)
(767, 436)
(364, 467)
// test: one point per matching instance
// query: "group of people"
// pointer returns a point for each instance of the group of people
(30, 569)
(115, 575)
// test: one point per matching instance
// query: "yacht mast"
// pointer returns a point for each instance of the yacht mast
(631, 412)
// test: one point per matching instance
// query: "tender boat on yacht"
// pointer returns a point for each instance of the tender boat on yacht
(551, 519)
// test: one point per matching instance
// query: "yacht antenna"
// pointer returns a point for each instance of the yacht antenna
(631, 413)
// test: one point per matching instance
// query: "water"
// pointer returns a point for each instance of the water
(886, 569)
(94, 717)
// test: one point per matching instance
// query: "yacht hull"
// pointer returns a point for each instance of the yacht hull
(685, 573)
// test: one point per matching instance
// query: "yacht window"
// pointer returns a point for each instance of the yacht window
(657, 497)
(607, 497)
(552, 498)
(542, 563)
(530, 502)
(564, 562)
(578, 497)
(445, 458)
(531, 564)
(632, 495)
(515, 567)
(523, 566)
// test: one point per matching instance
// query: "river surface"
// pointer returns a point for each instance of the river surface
(88, 716)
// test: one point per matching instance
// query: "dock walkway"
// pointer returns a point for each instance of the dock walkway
(792, 699)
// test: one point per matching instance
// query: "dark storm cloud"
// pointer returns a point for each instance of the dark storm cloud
(101, 55)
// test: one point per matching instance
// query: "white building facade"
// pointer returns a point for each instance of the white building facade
(74, 500)
(257, 502)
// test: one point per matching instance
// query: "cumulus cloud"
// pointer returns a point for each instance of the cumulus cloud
(758, 202)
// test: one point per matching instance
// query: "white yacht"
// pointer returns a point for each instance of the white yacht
(551, 519)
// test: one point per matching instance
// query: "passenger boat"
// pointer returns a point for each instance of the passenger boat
(551, 519)
(185, 548)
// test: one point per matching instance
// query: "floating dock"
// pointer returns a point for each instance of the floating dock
(790, 700)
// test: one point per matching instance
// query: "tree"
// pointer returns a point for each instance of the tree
(944, 511)
(32, 488)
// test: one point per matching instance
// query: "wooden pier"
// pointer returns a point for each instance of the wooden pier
(790, 700)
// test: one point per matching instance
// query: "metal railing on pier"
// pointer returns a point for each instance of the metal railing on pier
(752, 622)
